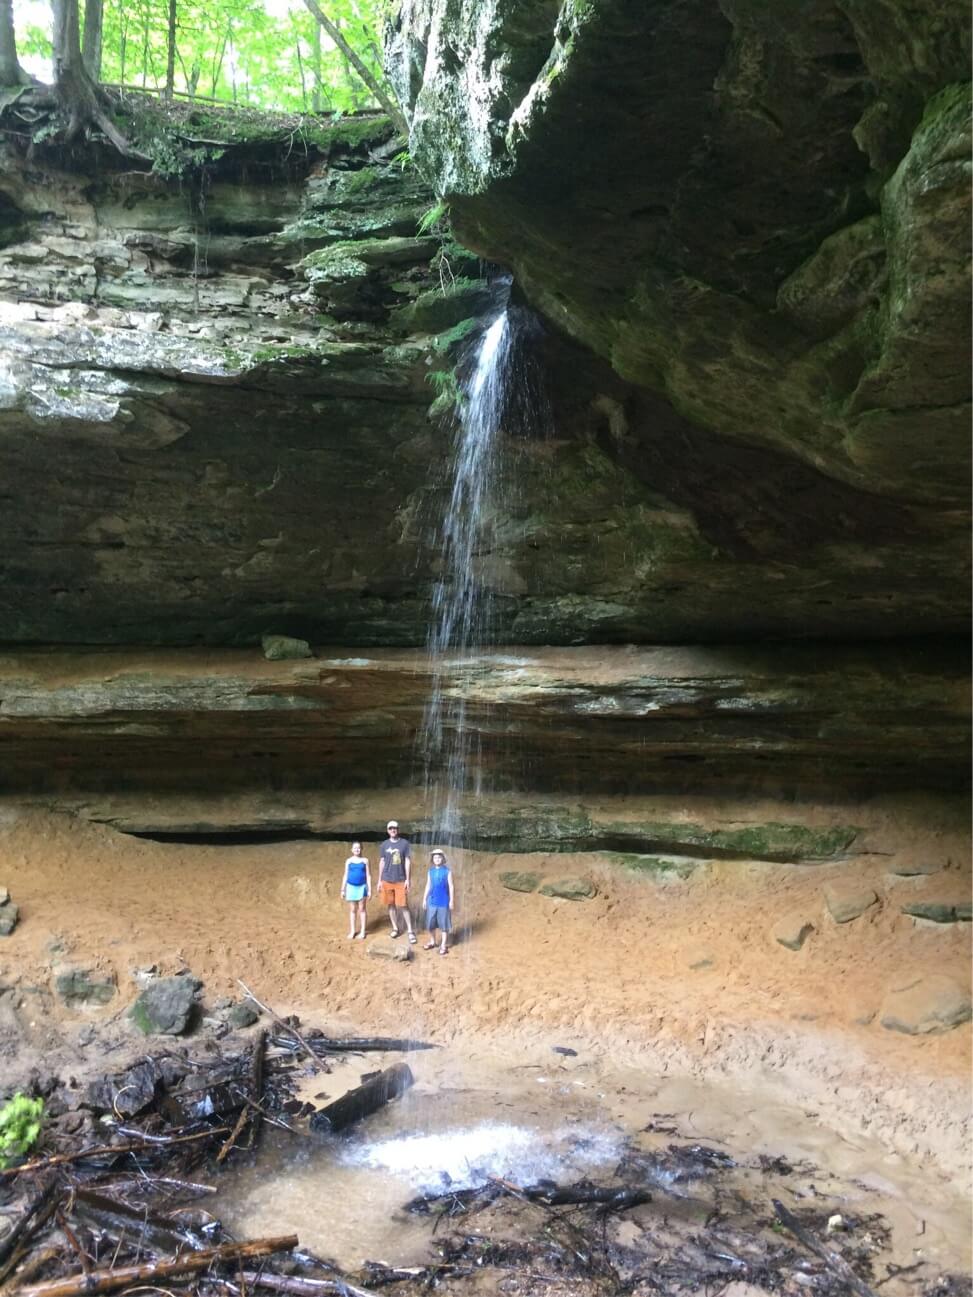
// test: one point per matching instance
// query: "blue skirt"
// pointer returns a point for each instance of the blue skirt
(355, 891)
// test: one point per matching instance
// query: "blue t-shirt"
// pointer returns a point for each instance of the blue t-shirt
(438, 887)
(356, 871)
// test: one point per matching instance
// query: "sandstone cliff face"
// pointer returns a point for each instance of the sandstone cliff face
(214, 398)
(759, 215)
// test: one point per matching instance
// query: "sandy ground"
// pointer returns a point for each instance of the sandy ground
(674, 977)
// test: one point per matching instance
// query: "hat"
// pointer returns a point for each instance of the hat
(437, 852)
(392, 824)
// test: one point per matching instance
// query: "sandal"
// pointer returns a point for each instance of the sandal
(430, 945)
(395, 932)
(444, 950)
(412, 938)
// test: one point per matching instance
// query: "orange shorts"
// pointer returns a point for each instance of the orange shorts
(392, 893)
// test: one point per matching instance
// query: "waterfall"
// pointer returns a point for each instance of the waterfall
(462, 613)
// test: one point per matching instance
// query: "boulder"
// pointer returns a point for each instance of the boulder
(927, 1006)
(4, 895)
(240, 1015)
(938, 911)
(570, 889)
(80, 986)
(166, 1007)
(520, 880)
(793, 929)
(387, 948)
(847, 901)
(9, 915)
(280, 648)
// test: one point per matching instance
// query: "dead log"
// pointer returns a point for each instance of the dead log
(364, 1100)
(152, 1145)
(366, 1045)
(250, 1111)
(609, 1197)
(14, 1246)
(300, 1287)
(102, 1281)
(835, 1262)
(118, 1218)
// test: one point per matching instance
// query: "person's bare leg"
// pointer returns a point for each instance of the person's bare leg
(393, 919)
(364, 920)
(408, 922)
(444, 944)
(352, 907)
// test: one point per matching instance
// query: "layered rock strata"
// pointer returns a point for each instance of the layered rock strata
(562, 720)
(215, 419)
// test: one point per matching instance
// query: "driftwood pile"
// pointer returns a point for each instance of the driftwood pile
(125, 1212)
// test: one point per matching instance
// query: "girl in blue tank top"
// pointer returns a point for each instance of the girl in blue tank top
(356, 887)
(438, 902)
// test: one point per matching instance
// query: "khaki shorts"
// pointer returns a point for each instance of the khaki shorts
(392, 893)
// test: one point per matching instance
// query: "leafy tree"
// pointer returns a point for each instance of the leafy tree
(237, 51)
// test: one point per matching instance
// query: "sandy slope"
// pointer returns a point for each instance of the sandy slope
(678, 976)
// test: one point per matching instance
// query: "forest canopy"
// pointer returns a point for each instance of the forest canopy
(291, 55)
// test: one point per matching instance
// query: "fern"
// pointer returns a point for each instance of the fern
(434, 217)
(20, 1124)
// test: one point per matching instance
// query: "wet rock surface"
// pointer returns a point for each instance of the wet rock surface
(167, 1006)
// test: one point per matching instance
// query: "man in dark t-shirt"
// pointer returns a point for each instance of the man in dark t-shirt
(394, 877)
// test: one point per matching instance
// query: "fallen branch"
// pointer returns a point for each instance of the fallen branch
(835, 1262)
(103, 1150)
(256, 1089)
(299, 1287)
(287, 1027)
(13, 1247)
(102, 1281)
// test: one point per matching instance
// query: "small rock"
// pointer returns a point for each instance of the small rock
(146, 975)
(78, 986)
(241, 1015)
(280, 648)
(223, 1002)
(937, 911)
(9, 914)
(517, 881)
(565, 1050)
(165, 1008)
(387, 948)
(835, 1222)
(793, 929)
(847, 901)
(929, 1005)
(570, 889)
(4, 895)
(703, 959)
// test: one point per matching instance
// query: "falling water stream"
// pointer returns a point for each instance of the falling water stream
(462, 602)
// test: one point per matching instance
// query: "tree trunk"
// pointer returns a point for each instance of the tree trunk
(316, 69)
(11, 73)
(387, 104)
(300, 68)
(171, 52)
(76, 92)
(91, 44)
